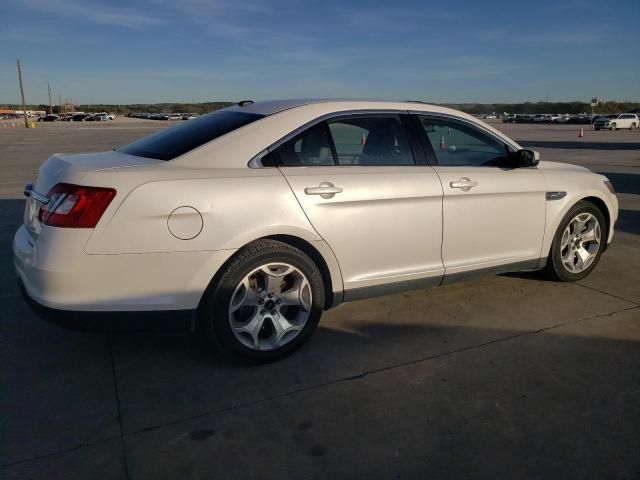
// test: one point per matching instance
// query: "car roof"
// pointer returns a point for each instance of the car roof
(271, 107)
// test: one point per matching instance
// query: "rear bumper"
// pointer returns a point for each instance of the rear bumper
(56, 273)
(110, 322)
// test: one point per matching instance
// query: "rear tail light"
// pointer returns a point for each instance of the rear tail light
(75, 206)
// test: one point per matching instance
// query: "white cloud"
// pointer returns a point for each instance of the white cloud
(89, 11)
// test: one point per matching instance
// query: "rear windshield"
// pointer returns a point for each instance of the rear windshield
(173, 142)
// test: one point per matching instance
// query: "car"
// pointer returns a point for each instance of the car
(542, 118)
(613, 122)
(49, 118)
(509, 118)
(247, 223)
(100, 117)
(174, 116)
(80, 117)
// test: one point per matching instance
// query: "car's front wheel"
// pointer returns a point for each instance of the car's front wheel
(612, 127)
(577, 244)
(266, 303)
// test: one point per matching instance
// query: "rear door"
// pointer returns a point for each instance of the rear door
(370, 194)
(493, 214)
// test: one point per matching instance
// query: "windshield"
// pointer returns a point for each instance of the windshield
(173, 142)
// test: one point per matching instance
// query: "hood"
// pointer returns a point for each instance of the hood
(562, 167)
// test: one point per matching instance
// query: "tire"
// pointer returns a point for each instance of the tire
(555, 268)
(597, 129)
(247, 267)
(632, 127)
(612, 127)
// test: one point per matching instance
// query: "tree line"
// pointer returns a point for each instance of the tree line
(472, 108)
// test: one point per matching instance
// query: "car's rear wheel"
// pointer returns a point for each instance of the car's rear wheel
(632, 127)
(612, 127)
(267, 302)
(577, 244)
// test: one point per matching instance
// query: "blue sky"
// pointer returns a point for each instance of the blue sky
(122, 51)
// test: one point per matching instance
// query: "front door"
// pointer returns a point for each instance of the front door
(493, 214)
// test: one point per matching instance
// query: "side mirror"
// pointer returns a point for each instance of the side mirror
(527, 158)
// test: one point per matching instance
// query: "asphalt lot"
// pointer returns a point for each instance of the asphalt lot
(503, 377)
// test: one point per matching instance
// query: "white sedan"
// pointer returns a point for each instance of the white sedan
(250, 221)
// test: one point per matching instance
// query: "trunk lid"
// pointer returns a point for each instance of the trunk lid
(71, 168)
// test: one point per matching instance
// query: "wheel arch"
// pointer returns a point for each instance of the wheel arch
(330, 292)
(600, 205)
(318, 251)
(557, 211)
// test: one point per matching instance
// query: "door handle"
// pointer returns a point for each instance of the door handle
(325, 190)
(464, 184)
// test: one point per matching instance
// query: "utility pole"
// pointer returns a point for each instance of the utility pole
(59, 104)
(50, 107)
(24, 105)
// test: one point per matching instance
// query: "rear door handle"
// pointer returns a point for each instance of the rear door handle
(325, 190)
(464, 184)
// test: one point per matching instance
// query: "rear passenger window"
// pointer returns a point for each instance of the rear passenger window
(172, 142)
(310, 148)
(371, 141)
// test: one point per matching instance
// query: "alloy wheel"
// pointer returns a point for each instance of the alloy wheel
(270, 306)
(580, 243)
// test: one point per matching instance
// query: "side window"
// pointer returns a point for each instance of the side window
(458, 145)
(310, 148)
(371, 141)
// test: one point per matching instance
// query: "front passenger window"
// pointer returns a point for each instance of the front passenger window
(458, 145)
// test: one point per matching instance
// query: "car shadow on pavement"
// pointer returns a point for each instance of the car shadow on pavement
(623, 182)
(580, 145)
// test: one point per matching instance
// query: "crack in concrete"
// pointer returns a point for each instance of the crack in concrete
(117, 395)
(607, 293)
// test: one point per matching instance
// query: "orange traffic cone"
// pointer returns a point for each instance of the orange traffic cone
(363, 139)
(13, 125)
(581, 134)
(442, 144)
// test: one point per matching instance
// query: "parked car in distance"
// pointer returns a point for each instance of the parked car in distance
(616, 121)
(249, 222)
(80, 117)
(49, 118)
